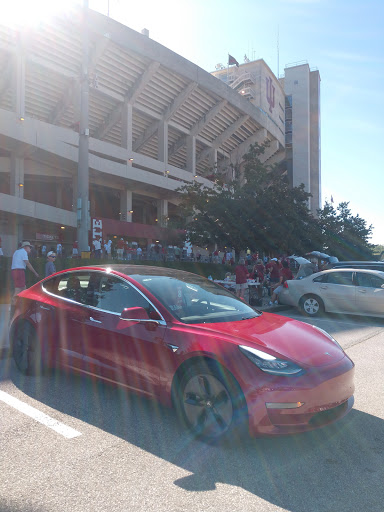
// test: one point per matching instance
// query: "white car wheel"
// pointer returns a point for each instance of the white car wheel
(311, 305)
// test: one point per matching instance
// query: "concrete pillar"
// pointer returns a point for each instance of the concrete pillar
(83, 218)
(74, 193)
(162, 140)
(162, 212)
(126, 205)
(126, 128)
(213, 159)
(191, 154)
(17, 175)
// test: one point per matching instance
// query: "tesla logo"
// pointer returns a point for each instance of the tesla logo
(270, 93)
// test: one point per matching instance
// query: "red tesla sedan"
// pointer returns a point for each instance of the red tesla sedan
(188, 342)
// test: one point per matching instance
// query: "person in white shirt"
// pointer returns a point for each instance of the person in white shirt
(19, 263)
(97, 246)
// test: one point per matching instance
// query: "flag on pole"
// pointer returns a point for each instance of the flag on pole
(232, 60)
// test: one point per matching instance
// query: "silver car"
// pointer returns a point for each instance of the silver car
(351, 291)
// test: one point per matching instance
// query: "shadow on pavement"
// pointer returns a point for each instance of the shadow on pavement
(337, 468)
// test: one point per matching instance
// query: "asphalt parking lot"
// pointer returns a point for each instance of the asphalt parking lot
(132, 454)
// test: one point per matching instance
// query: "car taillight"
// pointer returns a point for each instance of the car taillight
(285, 285)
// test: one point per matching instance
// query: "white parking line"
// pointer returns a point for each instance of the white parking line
(39, 416)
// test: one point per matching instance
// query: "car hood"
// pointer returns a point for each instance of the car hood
(283, 337)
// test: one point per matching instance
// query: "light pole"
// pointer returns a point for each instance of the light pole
(83, 221)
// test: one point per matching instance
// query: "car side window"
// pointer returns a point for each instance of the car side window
(74, 287)
(340, 278)
(116, 295)
(369, 280)
(321, 279)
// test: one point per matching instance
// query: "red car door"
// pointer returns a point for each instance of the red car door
(127, 352)
(72, 315)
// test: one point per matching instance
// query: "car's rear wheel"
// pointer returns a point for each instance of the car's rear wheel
(26, 350)
(210, 401)
(311, 305)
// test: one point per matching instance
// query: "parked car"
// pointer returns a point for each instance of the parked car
(188, 342)
(344, 290)
(372, 265)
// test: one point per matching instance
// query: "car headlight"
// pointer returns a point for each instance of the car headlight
(271, 364)
(329, 336)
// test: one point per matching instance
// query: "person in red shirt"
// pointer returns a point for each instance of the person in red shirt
(285, 275)
(242, 275)
(259, 273)
(273, 268)
(120, 249)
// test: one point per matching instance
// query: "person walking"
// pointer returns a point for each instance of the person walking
(19, 263)
(50, 265)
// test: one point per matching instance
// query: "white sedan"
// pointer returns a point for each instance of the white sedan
(350, 291)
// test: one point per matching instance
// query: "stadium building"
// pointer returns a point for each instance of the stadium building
(100, 125)
(292, 102)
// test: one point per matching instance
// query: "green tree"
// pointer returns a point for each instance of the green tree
(345, 235)
(258, 210)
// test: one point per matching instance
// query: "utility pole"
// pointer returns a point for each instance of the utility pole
(83, 221)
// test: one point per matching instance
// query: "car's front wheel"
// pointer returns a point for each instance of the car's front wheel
(210, 401)
(311, 305)
(26, 350)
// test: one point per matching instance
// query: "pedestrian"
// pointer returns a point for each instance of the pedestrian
(75, 249)
(139, 253)
(43, 250)
(285, 275)
(242, 275)
(274, 272)
(50, 265)
(120, 249)
(258, 275)
(19, 263)
(97, 247)
(59, 249)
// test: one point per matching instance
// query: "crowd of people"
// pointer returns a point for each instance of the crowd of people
(269, 274)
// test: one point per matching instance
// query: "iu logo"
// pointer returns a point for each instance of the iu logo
(270, 93)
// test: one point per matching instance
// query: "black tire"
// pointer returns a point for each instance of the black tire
(26, 350)
(210, 402)
(311, 305)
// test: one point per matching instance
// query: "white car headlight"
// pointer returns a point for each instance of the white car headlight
(271, 364)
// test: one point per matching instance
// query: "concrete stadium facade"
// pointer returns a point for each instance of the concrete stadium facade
(153, 121)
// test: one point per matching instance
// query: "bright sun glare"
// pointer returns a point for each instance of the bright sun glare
(32, 12)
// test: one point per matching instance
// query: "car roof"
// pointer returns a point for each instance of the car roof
(132, 270)
(364, 270)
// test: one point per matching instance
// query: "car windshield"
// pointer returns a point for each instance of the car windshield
(196, 300)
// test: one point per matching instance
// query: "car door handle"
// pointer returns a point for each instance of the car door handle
(362, 291)
(324, 287)
(96, 321)
(43, 307)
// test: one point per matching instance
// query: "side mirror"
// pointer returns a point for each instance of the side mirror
(136, 313)
(139, 314)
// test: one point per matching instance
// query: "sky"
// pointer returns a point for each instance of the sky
(343, 39)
